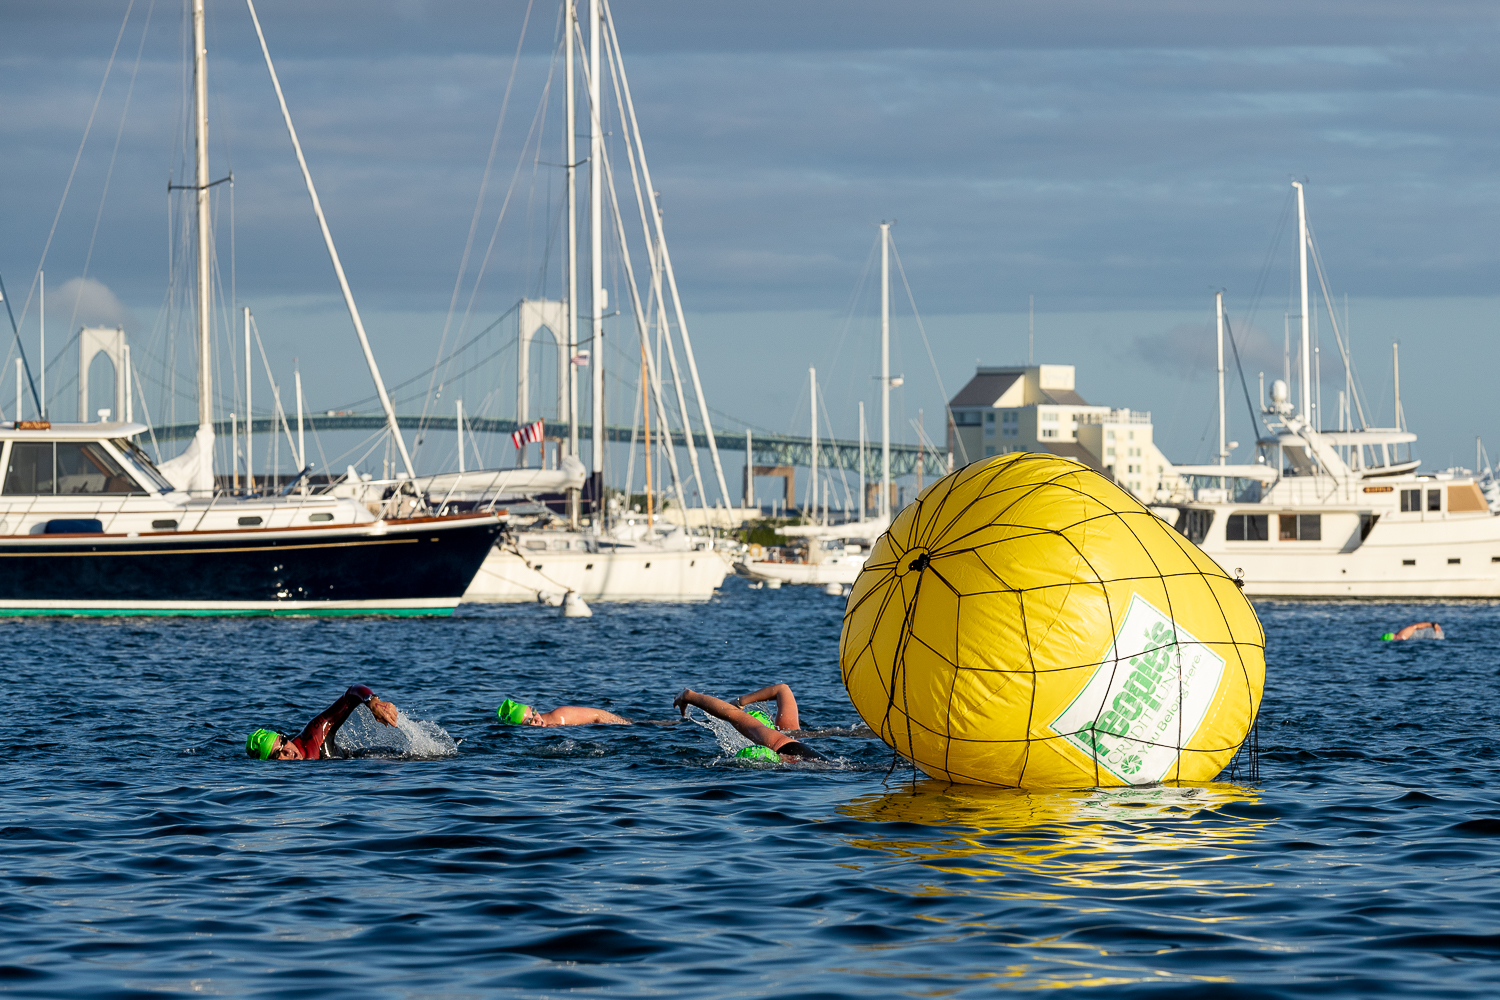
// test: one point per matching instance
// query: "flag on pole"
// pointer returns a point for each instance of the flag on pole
(525, 435)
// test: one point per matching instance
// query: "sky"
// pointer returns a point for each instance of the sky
(1114, 164)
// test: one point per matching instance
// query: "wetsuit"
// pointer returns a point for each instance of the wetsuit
(792, 748)
(316, 741)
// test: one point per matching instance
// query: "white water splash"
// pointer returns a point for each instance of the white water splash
(730, 739)
(365, 736)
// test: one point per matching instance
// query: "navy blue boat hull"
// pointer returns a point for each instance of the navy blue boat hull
(422, 566)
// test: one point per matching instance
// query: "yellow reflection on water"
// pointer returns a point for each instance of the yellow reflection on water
(1148, 838)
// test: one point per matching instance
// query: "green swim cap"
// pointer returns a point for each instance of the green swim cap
(1388, 636)
(260, 743)
(760, 717)
(512, 713)
(759, 753)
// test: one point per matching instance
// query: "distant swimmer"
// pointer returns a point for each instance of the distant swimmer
(316, 741)
(1420, 630)
(786, 707)
(514, 713)
(772, 744)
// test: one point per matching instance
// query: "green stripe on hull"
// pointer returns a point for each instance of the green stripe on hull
(241, 613)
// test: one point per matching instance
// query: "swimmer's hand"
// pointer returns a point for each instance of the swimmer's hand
(383, 710)
(682, 702)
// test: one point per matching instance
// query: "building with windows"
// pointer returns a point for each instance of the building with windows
(1037, 408)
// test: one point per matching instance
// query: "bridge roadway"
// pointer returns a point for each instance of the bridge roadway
(770, 449)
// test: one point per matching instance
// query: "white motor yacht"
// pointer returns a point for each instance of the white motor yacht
(1336, 513)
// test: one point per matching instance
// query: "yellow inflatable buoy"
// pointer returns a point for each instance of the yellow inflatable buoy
(1027, 623)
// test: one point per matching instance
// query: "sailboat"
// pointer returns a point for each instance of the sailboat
(835, 553)
(1336, 513)
(610, 557)
(90, 526)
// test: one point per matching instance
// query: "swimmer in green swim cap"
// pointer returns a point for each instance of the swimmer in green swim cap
(513, 713)
(1417, 630)
(769, 739)
(316, 739)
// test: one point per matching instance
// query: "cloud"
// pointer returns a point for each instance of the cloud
(1189, 351)
(80, 302)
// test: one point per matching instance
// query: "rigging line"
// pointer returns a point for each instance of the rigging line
(22, 348)
(671, 275)
(859, 288)
(46, 247)
(275, 393)
(1338, 337)
(426, 371)
(474, 367)
(534, 133)
(113, 155)
(463, 264)
(1254, 417)
(654, 257)
(947, 411)
(838, 456)
(623, 259)
(1265, 270)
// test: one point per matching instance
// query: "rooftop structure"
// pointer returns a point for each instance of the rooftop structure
(1037, 408)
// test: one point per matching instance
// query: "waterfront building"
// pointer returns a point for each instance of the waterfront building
(1037, 408)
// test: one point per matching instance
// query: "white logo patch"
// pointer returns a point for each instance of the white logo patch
(1155, 682)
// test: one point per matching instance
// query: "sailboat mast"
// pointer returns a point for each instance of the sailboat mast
(205, 286)
(596, 256)
(885, 371)
(1219, 310)
(1305, 371)
(812, 489)
(249, 414)
(569, 20)
(861, 460)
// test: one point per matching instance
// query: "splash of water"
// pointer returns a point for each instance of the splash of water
(730, 739)
(362, 735)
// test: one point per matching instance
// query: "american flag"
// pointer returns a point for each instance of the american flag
(525, 435)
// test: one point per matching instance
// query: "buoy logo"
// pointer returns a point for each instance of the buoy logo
(1149, 694)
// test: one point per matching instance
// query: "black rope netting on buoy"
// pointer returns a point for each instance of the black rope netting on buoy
(930, 538)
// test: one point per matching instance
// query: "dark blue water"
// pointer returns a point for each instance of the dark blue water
(144, 855)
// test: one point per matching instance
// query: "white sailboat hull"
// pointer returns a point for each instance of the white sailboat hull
(844, 571)
(627, 574)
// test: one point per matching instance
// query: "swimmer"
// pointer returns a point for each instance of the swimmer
(514, 713)
(769, 739)
(316, 741)
(786, 707)
(1410, 632)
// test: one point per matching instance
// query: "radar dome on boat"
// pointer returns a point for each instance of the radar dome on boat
(1027, 623)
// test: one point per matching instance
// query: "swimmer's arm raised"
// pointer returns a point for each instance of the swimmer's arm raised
(786, 705)
(325, 725)
(746, 724)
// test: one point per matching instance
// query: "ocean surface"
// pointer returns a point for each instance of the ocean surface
(145, 856)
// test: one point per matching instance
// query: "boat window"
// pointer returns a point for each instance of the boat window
(145, 470)
(1434, 499)
(1247, 528)
(1194, 524)
(29, 470)
(71, 467)
(1411, 500)
(1366, 525)
(1301, 527)
(86, 467)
